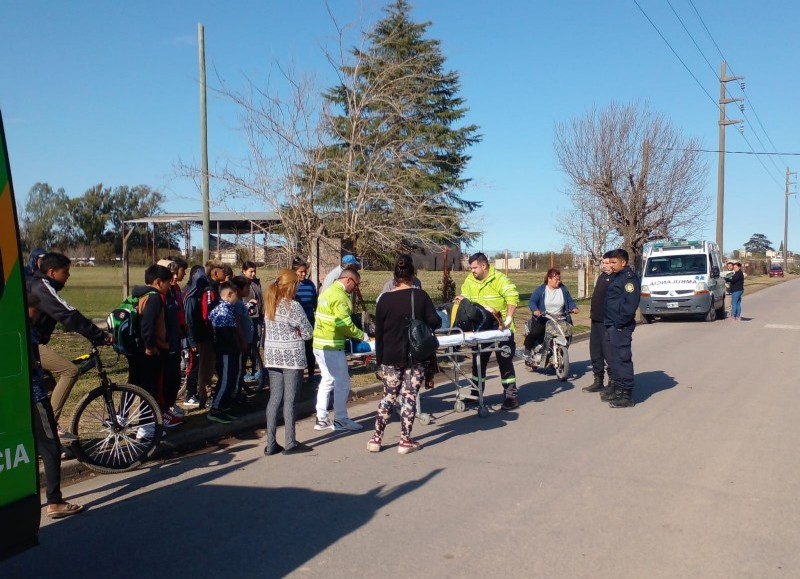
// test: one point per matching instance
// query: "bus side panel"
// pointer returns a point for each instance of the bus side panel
(20, 509)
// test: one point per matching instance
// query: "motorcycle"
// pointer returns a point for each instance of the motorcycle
(554, 351)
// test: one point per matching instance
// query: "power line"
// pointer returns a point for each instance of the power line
(751, 152)
(711, 98)
(700, 50)
(747, 98)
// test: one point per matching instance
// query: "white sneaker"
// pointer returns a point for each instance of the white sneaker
(346, 424)
(177, 411)
(323, 424)
(146, 431)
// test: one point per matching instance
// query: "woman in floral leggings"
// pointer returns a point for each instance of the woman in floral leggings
(401, 375)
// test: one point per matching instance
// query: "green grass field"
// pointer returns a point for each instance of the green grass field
(95, 291)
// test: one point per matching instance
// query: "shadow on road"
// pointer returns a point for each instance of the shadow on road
(208, 530)
(648, 383)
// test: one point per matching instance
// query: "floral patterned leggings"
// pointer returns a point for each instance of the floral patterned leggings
(405, 381)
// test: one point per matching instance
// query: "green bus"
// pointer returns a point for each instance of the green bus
(20, 509)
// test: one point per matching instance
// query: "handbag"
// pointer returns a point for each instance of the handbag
(422, 343)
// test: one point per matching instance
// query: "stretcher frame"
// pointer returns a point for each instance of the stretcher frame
(463, 381)
(455, 354)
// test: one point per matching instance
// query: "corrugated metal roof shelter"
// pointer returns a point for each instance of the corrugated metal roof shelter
(221, 222)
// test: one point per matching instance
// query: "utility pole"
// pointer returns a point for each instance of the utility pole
(786, 220)
(204, 143)
(723, 122)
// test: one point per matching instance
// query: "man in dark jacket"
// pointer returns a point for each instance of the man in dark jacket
(53, 309)
(598, 331)
(622, 301)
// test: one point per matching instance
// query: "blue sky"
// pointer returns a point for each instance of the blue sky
(108, 92)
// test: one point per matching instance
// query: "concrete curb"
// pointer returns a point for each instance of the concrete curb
(179, 441)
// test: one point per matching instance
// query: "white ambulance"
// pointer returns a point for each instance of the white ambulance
(682, 277)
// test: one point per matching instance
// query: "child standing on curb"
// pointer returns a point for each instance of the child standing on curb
(146, 368)
(227, 348)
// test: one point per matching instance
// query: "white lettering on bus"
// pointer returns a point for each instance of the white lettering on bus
(20, 455)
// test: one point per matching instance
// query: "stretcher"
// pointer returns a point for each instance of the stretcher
(468, 388)
(452, 342)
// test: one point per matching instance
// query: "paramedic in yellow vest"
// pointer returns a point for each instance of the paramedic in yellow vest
(491, 289)
(333, 324)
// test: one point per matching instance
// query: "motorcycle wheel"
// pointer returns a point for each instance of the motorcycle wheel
(561, 362)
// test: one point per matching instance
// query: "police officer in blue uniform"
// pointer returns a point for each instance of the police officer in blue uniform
(622, 301)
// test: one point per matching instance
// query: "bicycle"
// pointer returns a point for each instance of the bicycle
(118, 426)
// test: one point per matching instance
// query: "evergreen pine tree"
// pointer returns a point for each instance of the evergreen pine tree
(392, 176)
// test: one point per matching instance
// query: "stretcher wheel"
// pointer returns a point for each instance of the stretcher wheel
(483, 412)
(424, 419)
(459, 406)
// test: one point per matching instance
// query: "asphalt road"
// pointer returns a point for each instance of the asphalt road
(698, 480)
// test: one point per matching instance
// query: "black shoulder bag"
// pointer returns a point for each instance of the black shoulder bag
(422, 342)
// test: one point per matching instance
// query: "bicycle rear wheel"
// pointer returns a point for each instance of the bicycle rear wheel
(117, 428)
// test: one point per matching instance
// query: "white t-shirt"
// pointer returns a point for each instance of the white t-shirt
(554, 302)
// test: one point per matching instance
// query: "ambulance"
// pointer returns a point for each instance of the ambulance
(682, 278)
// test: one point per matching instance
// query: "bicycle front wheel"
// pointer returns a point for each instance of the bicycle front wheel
(118, 427)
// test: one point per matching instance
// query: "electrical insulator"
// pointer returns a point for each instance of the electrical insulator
(741, 85)
(741, 107)
(741, 129)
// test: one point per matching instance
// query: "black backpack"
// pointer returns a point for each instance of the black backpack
(422, 342)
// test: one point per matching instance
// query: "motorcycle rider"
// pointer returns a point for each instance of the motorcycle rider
(554, 298)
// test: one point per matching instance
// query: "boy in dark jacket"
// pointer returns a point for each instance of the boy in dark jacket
(146, 368)
(200, 297)
(45, 429)
(45, 284)
(175, 321)
(227, 347)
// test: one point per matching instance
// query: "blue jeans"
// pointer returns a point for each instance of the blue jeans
(736, 304)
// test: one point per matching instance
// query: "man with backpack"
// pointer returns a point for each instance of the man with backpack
(50, 278)
(493, 290)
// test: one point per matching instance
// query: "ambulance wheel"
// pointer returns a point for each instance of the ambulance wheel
(648, 319)
(711, 314)
(721, 310)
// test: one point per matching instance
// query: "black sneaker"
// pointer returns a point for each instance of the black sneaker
(298, 449)
(278, 448)
(510, 404)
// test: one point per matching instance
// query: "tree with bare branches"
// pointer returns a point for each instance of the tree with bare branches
(587, 227)
(633, 164)
(376, 161)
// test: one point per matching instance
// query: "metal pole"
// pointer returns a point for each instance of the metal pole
(786, 220)
(721, 161)
(723, 122)
(204, 142)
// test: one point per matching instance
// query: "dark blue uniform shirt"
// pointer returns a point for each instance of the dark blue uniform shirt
(622, 299)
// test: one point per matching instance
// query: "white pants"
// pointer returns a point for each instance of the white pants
(336, 378)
